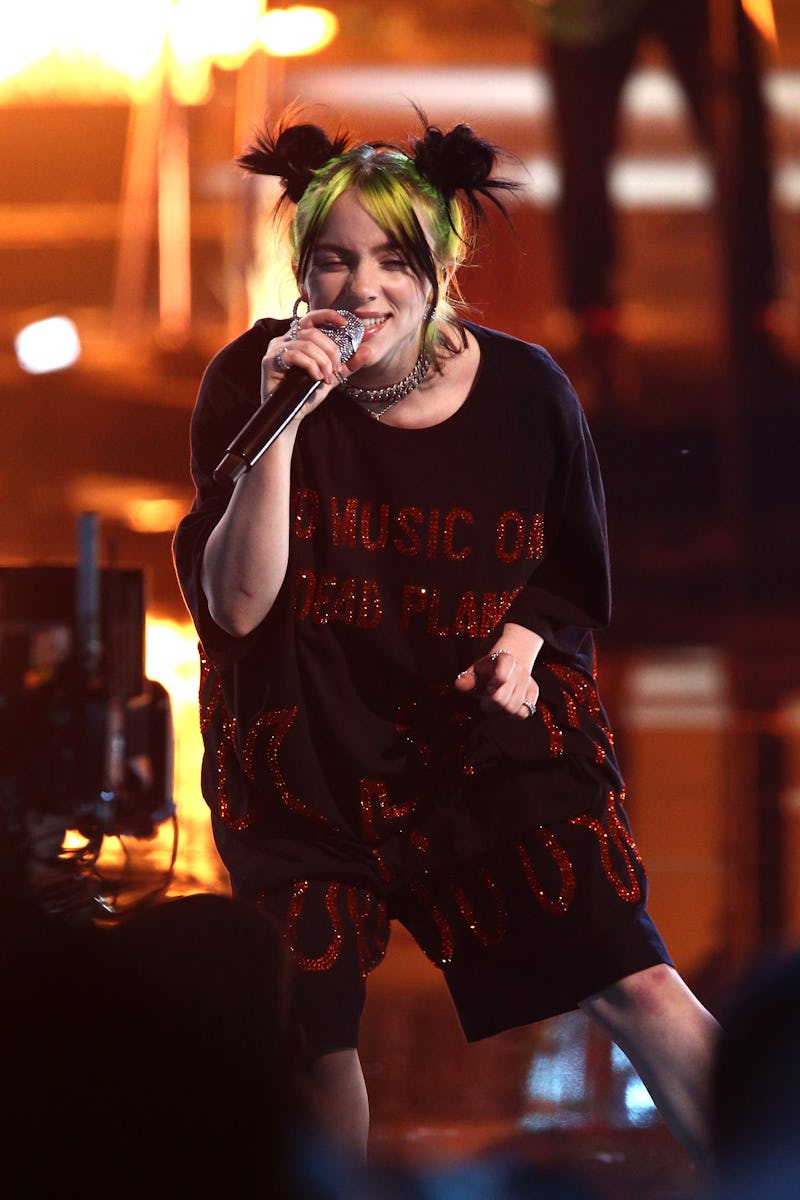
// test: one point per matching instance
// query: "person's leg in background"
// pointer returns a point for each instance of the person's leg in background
(587, 82)
(724, 88)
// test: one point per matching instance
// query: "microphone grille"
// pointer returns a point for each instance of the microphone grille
(347, 337)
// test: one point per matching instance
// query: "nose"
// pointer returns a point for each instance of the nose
(363, 285)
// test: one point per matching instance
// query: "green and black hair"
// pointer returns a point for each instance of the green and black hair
(426, 198)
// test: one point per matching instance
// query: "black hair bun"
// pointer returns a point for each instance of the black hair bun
(293, 153)
(458, 161)
(453, 161)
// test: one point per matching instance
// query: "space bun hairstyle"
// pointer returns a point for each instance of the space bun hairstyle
(459, 163)
(428, 198)
(292, 153)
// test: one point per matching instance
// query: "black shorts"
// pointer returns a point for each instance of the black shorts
(521, 934)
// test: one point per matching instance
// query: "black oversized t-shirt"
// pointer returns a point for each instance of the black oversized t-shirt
(335, 741)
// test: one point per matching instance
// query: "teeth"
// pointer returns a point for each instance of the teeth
(369, 321)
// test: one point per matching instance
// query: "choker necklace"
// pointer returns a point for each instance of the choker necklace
(393, 393)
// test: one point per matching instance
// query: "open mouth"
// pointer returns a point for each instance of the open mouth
(372, 324)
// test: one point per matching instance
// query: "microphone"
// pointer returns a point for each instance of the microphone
(294, 390)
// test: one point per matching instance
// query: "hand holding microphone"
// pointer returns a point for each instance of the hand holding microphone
(282, 406)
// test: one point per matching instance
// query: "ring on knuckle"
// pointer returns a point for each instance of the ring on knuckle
(530, 705)
(280, 362)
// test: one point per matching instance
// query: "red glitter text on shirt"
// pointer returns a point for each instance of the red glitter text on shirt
(517, 536)
(409, 530)
(305, 503)
(325, 598)
(357, 523)
(475, 614)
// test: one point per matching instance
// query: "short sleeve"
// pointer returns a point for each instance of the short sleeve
(569, 592)
(229, 394)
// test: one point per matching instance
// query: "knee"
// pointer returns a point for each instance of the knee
(331, 1068)
(647, 994)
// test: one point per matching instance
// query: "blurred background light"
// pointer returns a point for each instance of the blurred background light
(762, 14)
(142, 505)
(297, 30)
(94, 48)
(201, 29)
(49, 345)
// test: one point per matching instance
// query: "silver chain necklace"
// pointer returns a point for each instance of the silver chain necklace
(393, 393)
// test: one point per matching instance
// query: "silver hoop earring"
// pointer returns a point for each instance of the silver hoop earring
(295, 322)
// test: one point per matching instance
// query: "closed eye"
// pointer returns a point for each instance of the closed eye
(329, 262)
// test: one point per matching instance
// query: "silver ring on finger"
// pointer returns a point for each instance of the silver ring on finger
(530, 705)
(280, 363)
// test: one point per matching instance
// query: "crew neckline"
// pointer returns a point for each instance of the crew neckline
(379, 432)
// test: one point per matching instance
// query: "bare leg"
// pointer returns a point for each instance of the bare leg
(337, 1103)
(670, 1039)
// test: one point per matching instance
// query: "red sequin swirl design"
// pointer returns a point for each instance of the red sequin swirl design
(370, 951)
(377, 810)
(383, 871)
(558, 905)
(446, 944)
(227, 747)
(625, 845)
(324, 961)
(490, 938)
(208, 707)
(585, 691)
(274, 726)
(554, 730)
(572, 710)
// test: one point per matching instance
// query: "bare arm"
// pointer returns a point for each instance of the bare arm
(247, 553)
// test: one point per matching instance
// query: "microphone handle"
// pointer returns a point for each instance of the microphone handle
(266, 424)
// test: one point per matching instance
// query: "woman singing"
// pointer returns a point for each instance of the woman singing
(395, 607)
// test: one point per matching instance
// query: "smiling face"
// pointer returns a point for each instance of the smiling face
(355, 265)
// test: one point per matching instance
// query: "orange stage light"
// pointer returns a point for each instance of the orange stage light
(762, 14)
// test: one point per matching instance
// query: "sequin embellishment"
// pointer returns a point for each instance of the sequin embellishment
(558, 905)
(324, 961)
(274, 726)
(446, 944)
(624, 844)
(467, 911)
(554, 730)
(370, 953)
